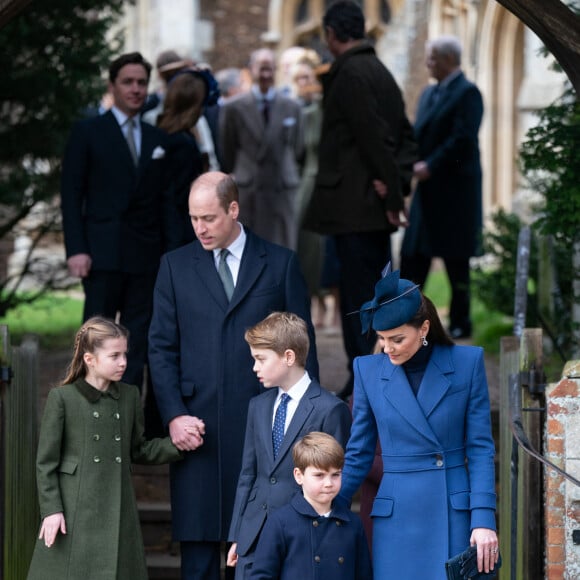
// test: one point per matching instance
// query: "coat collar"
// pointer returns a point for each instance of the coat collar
(416, 410)
(93, 395)
(251, 266)
(449, 93)
(339, 511)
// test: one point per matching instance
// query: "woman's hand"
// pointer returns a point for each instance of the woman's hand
(487, 548)
(51, 525)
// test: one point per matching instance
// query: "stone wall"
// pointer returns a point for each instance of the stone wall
(562, 505)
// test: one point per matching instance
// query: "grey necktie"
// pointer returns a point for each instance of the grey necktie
(226, 274)
(130, 123)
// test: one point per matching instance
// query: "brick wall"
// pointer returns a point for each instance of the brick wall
(238, 27)
(562, 505)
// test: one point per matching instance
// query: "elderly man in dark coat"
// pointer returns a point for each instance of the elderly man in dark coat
(357, 196)
(206, 296)
(446, 212)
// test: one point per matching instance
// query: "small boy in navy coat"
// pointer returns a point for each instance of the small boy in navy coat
(292, 406)
(315, 536)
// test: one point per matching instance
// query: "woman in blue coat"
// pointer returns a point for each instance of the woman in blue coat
(426, 399)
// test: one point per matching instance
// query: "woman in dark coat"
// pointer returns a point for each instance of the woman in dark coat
(426, 400)
(92, 430)
(182, 108)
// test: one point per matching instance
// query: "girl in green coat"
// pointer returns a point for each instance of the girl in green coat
(92, 430)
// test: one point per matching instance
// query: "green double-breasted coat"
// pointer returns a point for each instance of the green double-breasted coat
(88, 440)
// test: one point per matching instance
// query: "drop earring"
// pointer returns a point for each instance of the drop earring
(425, 341)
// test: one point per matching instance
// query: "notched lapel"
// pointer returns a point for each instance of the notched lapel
(204, 264)
(252, 264)
(435, 383)
(400, 395)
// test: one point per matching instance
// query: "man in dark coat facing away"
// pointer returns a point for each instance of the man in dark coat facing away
(357, 197)
(446, 212)
(204, 301)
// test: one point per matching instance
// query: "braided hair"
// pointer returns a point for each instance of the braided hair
(91, 336)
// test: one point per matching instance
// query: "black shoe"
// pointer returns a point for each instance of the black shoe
(457, 332)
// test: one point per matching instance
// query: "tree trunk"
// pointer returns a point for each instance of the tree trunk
(557, 26)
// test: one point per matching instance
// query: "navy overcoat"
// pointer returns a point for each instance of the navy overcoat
(438, 455)
(298, 544)
(201, 366)
(446, 211)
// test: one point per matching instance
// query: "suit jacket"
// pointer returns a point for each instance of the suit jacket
(87, 443)
(297, 543)
(263, 158)
(363, 128)
(111, 209)
(201, 365)
(446, 211)
(265, 483)
(427, 498)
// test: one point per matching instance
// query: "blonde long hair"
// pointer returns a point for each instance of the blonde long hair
(91, 336)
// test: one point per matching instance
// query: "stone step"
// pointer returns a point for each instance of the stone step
(163, 566)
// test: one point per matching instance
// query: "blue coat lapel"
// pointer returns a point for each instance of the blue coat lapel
(398, 392)
(435, 383)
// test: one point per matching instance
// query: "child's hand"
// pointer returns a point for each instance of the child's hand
(232, 559)
(51, 525)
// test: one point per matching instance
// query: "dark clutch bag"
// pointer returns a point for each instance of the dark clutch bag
(464, 567)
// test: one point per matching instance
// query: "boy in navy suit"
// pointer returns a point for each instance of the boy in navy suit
(276, 420)
(315, 535)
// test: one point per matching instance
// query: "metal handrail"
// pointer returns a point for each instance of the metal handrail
(519, 434)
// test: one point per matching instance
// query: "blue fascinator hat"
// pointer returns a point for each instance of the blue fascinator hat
(396, 301)
(212, 89)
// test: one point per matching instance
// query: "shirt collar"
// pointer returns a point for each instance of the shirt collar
(93, 395)
(296, 391)
(269, 96)
(236, 248)
(122, 117)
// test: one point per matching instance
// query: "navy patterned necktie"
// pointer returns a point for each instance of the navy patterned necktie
(279, 424)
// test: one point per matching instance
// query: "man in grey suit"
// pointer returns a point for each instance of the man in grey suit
(261, 141)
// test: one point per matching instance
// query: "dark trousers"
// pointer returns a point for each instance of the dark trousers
(202, 561)
(416, 268)
(131, 297)
(362, 257)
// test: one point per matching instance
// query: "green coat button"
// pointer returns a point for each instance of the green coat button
(96, 414)
(97, 459)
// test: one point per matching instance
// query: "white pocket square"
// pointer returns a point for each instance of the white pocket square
(289, 122)
(158, 153)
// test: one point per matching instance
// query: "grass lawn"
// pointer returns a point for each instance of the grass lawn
(488, 326)
(55, 318)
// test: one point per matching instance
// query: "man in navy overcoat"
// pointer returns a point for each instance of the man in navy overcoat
(201, 365)
(446, 212)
